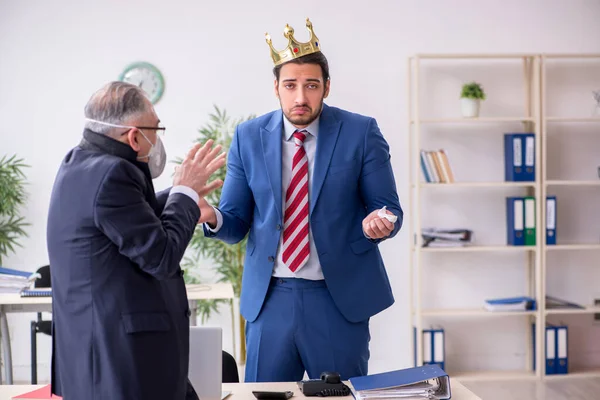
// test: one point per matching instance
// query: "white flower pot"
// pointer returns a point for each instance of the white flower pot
(470, 107)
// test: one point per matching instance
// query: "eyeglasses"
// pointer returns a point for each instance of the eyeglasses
(155, 128)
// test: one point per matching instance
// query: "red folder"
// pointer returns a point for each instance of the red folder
(42, 393)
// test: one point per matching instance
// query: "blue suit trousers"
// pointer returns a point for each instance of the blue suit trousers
(300, 329)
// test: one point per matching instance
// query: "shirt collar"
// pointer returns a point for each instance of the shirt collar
(289, 129)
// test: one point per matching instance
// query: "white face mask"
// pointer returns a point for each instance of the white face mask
(157, 156)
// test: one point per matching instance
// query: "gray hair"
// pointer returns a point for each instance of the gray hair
(115, 103)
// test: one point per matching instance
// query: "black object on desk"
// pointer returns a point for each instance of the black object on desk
(263, 395)
(330, 384)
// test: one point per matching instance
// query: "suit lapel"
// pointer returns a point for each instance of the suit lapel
(271, 143)
(329, 130)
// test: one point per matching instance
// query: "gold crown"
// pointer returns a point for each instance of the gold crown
(294, 48)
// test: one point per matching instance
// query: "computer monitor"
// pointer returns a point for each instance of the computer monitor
(206, 362)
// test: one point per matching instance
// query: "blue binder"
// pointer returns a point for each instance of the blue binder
(529, 157)
(15, 272)
(395, 382)
(519, 157)
(515, 221)
(562, 353)
(550, 220)
(550, 350)
(434, 347)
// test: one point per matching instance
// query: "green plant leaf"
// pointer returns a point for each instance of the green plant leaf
(472, 90)
(12, 198)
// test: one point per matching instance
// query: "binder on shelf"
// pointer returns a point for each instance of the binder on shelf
(519, 157)
(434, 347)
(439, 348)
(530, 221)
(529, 155)
(427, 382)
(562, 354)
(551, 220)
(427, 347)
(513, 158)
(522, 303)
(515, 210)
(550, 350)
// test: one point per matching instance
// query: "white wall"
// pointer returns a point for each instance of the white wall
(54, 54)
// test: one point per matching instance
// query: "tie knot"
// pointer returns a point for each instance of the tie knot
(299, 137)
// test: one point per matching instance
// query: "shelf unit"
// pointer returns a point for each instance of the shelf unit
(534, 119)
(576, 122)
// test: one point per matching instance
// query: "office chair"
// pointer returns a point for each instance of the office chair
(230, 371)
(39, 326)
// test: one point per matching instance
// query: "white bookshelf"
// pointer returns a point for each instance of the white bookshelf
(534, 117)
(576, 123)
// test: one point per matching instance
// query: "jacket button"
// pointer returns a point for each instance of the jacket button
(188, 312)
(278, 227)
(271, 258)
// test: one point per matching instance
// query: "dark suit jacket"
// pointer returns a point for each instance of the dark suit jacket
(120, 309)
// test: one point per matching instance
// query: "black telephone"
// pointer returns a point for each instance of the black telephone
(330, 384)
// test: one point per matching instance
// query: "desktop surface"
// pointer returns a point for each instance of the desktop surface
(243, 391)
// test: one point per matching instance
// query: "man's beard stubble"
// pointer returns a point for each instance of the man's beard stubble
(306, 119)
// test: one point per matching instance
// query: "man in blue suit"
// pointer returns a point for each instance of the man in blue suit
(120, 312)
(313, 187)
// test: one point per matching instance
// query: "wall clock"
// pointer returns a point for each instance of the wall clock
(147, 77)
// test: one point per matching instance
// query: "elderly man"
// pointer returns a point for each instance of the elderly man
(120, 310)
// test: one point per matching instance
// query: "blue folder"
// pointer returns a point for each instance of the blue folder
(15, 272)
(404, 380)
(515, 221)
(519, 157)
(550, 220)
(562, 353)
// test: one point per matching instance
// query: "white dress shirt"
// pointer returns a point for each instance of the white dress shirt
(312, 269)
(188, 191)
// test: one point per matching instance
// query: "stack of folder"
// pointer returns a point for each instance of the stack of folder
(522, 303)
(14, 281)
(427, 382)
(433, 237)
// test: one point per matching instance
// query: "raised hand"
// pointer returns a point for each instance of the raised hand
(201, 162)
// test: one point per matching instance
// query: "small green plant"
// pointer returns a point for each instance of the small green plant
(472, 90)
(12, 197)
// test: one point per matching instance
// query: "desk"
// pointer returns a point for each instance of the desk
(243, 391)
(14, 303)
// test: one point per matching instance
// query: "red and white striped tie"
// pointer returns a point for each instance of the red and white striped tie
(296, 247)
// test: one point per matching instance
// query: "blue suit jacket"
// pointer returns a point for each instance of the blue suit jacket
(352, 177)
(120, 309)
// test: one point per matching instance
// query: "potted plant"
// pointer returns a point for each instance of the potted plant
(471, 95)
(12, 197)
(228, 260)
